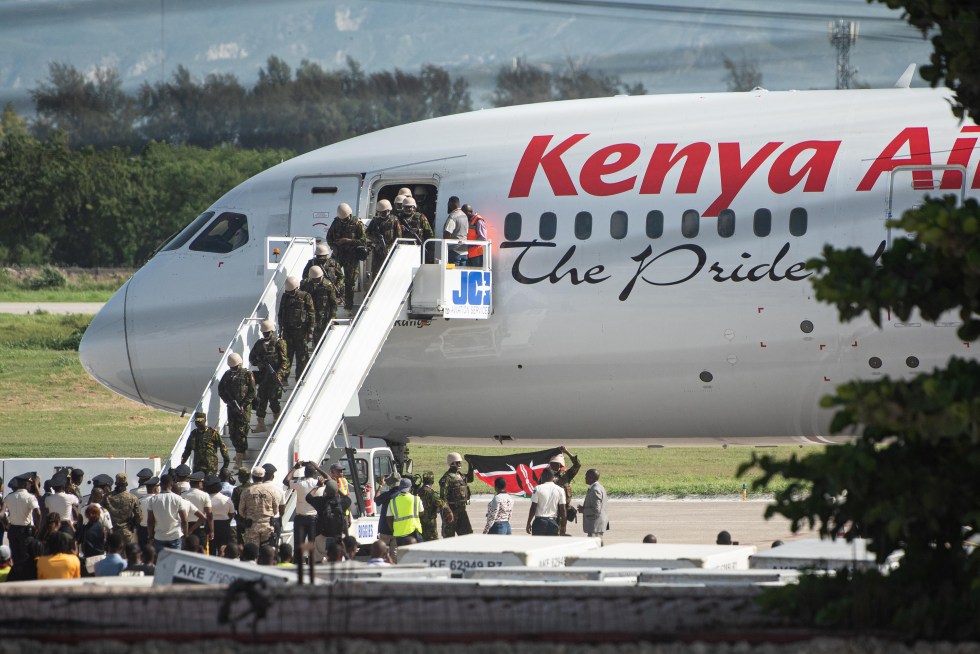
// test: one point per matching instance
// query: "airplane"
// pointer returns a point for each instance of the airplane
(649, 264)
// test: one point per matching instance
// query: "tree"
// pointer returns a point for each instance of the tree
(911, 480)
(90, 110)
(521, 83)
(741, 76)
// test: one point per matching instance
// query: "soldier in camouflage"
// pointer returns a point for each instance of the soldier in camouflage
(296, 317)
(415, 221)
(454, 490)
(324, 296)
(271, 363)
(328, 265)
(74, 485)
(383, 231)
(124, 509)
(432, 506)
(258, 507)
(563, 479)
(237, 391)
(346, 236)
(205, 442)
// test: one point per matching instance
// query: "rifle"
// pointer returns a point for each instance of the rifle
(235, 408)
(272, 374)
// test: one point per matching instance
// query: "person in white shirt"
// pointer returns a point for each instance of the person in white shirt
(455, 229)
(23, 516)
(202, 502)
(380, 554)
(547, 507)
(62, 503)
(500, 509)
(222, 512)
(168, 516)
(304, 519)
(152, 486)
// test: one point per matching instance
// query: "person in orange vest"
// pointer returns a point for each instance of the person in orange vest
(476, 232)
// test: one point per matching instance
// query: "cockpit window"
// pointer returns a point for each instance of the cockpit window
(185, 234)
(228, 232)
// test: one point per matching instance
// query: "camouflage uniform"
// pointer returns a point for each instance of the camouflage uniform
(455, 492)
(324, 296)
(564, 480)
(330, 269)
(432, 506)
(126, 513)
(383, 232)
(238, 385)
(244, 481)
(270, 351)
(258, 507)
(296, 316)
(419, 224)
(205, 442)
(352, 228)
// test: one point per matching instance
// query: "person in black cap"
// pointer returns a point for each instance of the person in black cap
(102, 481)
(62, 503)
(201, 502)
(141, 477)
(205, 443)
(23, 516)
(222, 512)
(152, 486)
(180, 475)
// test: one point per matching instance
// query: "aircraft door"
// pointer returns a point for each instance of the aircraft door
(314, 201)
(908, 185)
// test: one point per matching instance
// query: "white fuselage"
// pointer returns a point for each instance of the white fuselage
(607, 325)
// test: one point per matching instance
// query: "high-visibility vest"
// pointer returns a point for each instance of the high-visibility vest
(405, 510)
(471, 235)
(343, 489)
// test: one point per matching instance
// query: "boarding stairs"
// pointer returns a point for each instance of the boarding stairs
(315, 405)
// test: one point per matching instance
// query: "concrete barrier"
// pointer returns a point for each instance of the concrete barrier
(654, 555)
(488, 551)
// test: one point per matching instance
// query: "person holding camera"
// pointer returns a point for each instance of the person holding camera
(304, 519)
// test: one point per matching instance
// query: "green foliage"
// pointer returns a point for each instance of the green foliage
(741, 76)
(47, 277)
(41, 331)
(911, 481)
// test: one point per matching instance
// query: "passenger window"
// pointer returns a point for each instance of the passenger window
(228, 232)
(726, 223)
(797, 221)
(762, 222)
(583, 225)
(655, 224)
(512, 226)
(549, 226)
(185, 234)
(618, 225)
(690, 223)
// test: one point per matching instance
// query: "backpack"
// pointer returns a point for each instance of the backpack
(331, 521)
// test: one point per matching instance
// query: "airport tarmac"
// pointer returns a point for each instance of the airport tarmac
(671, 521)
(84, 308)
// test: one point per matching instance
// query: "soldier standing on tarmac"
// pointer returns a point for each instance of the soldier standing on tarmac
(328, 265)
(454, 490)
(563, 479)
(271, 363)
(124, 510)
(346, 237)
(324, 296)
(383, 231)
(237, 390)
(432, 506)
(205, 442)
(296, 316)
(258, 508)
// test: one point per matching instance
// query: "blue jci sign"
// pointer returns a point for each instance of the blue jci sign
(468, 294)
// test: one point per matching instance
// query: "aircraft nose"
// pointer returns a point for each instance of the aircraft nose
(103, 350)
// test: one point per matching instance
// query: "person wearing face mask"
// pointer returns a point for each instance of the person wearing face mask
(454, 490)
(383, 231)
(237, 391)
(333, 272)
(417, 225)
(296, 317)
(271, 363)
